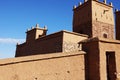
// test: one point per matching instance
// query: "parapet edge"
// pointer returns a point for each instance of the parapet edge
(31, 58)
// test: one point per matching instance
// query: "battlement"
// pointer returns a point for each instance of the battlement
(80, 4)
(37, 27)
(94, 18)
(35, 33)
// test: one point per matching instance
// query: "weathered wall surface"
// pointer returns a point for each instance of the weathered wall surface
(100, 61)
(109, 46)
(82, 18)
(102, 20)
(101, 29)
(61, 66)
(47, 44)
(102, 12)
(95, 19)
(70, 41)
(117, 25)
(52, 43)
(92, 61)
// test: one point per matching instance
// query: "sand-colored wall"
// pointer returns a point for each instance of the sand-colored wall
(35, 33)
(65, 66)
(47, 44)
(102, 12)
(109, 46)
(91, 60)
(94, 18)
(102, 20)
(71, 41)
(82, 17)
(73, 37)
(97, 67)
(52, 43)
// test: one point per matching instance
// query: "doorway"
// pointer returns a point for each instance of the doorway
(111, 65)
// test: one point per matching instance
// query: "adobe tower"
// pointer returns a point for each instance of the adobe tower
(35, 33)
(94, 18)
(117, 24)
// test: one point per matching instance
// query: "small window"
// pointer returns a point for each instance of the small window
(105, 35)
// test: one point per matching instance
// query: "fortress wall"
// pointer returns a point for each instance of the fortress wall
(65, 66)
(109, 46)
(47, 44)
(74, 37)
(91, 60)
(102, 58)
(71, 42)
(53, 43)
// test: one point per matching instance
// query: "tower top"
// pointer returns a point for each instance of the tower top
(37, 27)
(35, 33)
(85, 1)
(94, 18)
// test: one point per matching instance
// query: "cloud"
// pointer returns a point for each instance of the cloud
(11, 40)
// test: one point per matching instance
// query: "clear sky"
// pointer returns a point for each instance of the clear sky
(16, 16)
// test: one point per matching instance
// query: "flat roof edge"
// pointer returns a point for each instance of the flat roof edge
(75, 33)
(100, 40)
(31, 58)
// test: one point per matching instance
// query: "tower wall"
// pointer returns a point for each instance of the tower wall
(95, 19)
(61, 66)
(35, 33)
(102, 20)
(118, 25)
(97, 66)
(82, 17)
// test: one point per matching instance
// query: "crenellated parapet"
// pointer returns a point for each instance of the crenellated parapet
(85, 1)
(35, 33)
(94, 18)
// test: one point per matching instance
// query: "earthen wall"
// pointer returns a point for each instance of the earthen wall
(61, 66)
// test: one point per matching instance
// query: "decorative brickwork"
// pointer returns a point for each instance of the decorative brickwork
(70, 47)
(94, 21)
(103, 30)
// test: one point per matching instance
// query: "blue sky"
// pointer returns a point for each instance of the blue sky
(16, 16)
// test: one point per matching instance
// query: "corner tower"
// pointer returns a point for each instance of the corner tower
(35, 33)
(94, 18)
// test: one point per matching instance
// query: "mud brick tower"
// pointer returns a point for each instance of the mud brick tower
(117, 24)
(94, 18)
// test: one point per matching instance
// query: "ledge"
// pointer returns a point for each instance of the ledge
(10, 61)
(100, 40)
